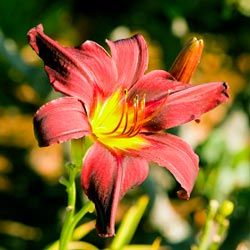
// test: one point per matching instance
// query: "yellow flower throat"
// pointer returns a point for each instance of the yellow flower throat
(116, 122)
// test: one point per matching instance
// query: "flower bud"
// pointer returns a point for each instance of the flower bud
(187, 61)
(226, 208)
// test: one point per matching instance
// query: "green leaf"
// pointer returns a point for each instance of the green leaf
(130, 223)
(83, 229)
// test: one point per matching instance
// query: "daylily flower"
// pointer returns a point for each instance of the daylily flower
(124, 112)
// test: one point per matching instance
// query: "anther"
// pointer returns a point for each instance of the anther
(156, 111)
(141, 114)
(135, 108)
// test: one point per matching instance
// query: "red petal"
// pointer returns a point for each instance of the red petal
(155, 84)
(177, 156)
(105, 178)
(102, 69)
(101, 181)
(73, 71)
(60, 120)
(135, 171)
(131, 58)
(189, 104)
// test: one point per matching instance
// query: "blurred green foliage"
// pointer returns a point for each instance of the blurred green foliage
(36, 203)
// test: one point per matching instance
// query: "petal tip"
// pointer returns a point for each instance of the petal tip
(39, 27)
(106, 235)
(32, 34)
(225, 89)
(183, 194)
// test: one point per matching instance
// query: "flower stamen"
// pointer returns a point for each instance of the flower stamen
(124, 111)
(140, 114)
(128, 117)
(135, 116)
(155, 112)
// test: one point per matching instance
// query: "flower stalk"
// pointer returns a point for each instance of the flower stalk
(205, 238)
(216, 225)
(67, 231)
(72, 218)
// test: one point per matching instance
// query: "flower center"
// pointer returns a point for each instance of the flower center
(117, 121)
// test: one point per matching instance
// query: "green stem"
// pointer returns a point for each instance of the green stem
(67, 230)
(221, 232)
(78, 149)
(205, 238)
(88, 207)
